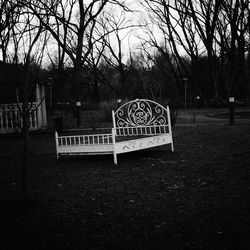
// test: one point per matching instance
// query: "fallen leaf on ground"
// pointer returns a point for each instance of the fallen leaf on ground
(132, 201)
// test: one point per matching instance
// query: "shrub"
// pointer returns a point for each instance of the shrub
(173, 115)
(105, 108)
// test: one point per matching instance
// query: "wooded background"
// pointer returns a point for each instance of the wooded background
(98, 50)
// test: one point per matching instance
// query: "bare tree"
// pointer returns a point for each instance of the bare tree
(153, 73)
(171, 21)
(215, 29)
(234, 42)
(114, 30)
(26, 52)
(9, 15)
(72, 25)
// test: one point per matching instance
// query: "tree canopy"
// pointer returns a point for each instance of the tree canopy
(108, 49)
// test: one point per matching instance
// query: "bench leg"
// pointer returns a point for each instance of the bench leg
(172, 147)
(115, 158)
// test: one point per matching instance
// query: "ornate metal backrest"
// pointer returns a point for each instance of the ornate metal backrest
(140, 112)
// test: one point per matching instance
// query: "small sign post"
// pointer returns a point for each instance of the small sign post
(231, 110)
(185, 91)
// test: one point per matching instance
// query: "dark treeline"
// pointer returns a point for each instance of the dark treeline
(183, 49)
(214, 36)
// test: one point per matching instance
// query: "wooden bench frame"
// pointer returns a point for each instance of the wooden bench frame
(137, 125)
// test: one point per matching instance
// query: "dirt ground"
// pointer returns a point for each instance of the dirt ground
(195, 198)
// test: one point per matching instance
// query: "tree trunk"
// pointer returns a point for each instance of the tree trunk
(25, 160)
(96, 93)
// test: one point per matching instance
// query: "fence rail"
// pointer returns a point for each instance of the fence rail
(11, 118)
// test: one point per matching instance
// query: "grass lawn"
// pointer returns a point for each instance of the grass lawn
(195, 198)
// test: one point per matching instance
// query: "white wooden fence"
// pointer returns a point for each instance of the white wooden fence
(11, 118)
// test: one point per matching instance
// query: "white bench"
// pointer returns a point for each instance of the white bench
(138, 124)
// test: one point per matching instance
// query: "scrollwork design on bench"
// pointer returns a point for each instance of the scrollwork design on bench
(141, 112)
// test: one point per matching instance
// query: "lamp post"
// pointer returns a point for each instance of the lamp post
(78, 113)
(185, 91)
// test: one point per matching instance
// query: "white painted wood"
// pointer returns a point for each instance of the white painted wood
(43, 106)
(85, 149)
(11, 119)
(142, 130)
(56, 142)
(148, 121)
(142, 143)
(114, 145)
(170, 129)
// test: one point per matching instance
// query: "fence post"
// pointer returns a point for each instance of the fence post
(39, 109)
(43, 106)
(231, 110)
(56, 139)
